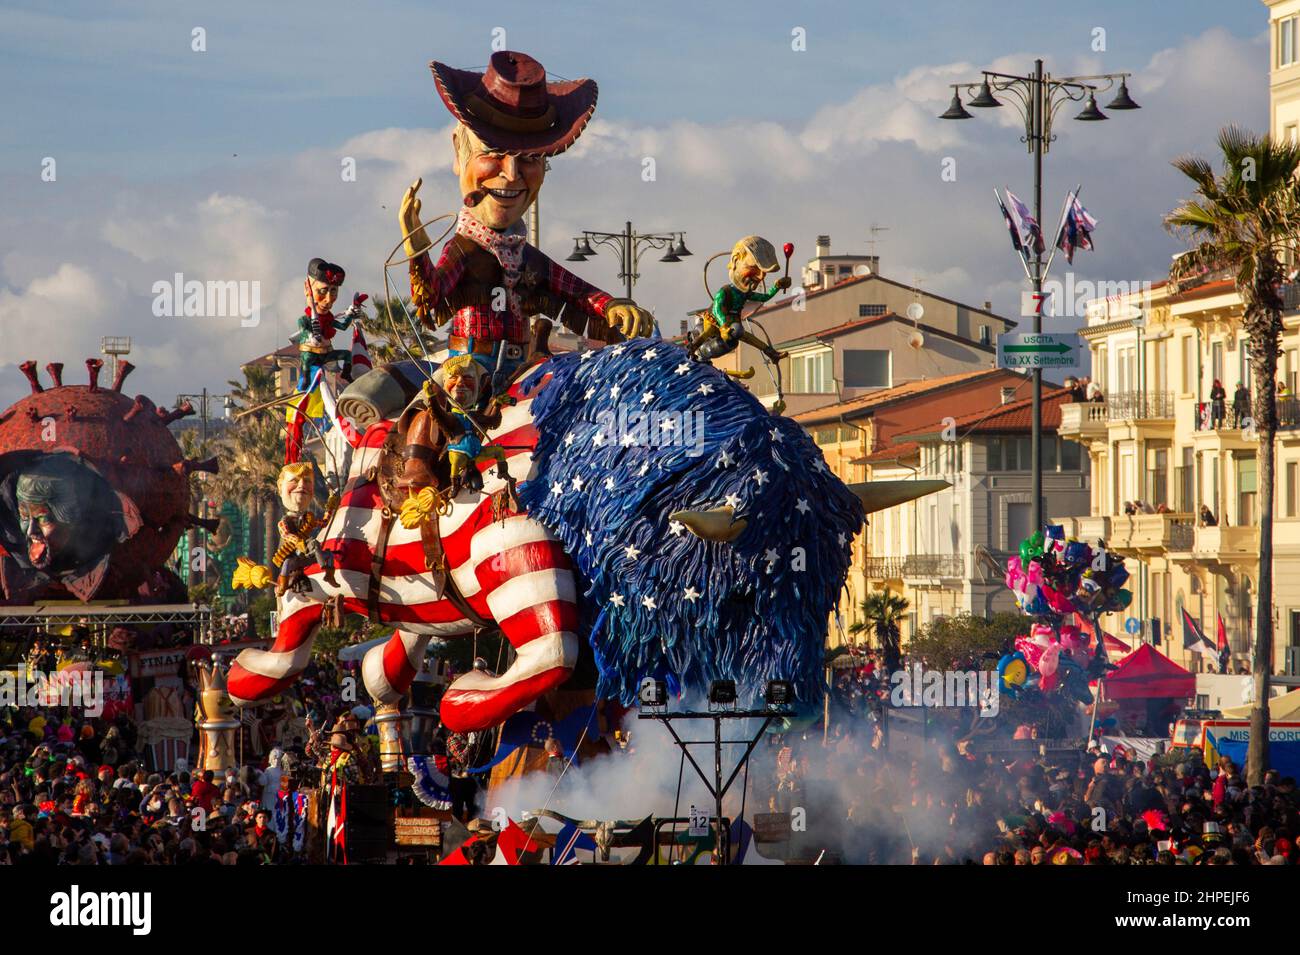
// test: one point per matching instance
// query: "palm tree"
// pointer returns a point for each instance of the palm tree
(253, 452)
(391, 333)
(884, 609)
(1244, 220)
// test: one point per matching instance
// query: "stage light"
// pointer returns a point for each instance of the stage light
(653, 692)
(779, 693)
(722, 692)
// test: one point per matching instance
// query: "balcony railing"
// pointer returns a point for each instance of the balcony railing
(1140, 406)
(1083, 418)
(1288, 415)
(1152, 533)
(1291, 297)
(916, 565)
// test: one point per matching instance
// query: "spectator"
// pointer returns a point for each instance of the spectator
(1240, 406)
(1218, 397)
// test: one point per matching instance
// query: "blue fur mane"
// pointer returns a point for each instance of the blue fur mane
(764, 599)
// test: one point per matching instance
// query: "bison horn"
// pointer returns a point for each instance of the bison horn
(878, 495)
(716, 524)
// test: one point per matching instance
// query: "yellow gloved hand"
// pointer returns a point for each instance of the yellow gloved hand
(418, 508)
(408, 217)
(251, 575)
(629, 318)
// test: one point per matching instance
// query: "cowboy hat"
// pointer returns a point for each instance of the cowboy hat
(512, 108)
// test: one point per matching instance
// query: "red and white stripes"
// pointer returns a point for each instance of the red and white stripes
(512, 572)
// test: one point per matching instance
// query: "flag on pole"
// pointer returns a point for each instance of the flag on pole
(295, 416)
(1222, 633)
(1011, 225)
(1196, 641)
(360, 352)
(331, 413)
(1225, 653)
(1031, 233)
(567, 843)
(1076, 228)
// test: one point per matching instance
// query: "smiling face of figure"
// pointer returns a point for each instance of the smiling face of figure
(296, 488)
(509, 183)
(463, 388)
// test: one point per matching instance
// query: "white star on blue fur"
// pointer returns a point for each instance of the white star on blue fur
(733, 501)
(724, 460)
(683, 368)
(648, 397)
(616, 598)
(577, 482)
(705, 389)
(690, 595)
(648, 355)
(675, 528)
(649, 603)
(760, 476)
(557, 488)
(802, 507)
(631, 552)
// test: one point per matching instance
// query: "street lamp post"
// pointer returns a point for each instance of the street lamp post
(630, 244)
(1038, 97)
(204, 398)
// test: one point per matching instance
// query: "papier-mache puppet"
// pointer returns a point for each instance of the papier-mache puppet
(752, 259)
(299, 548)
(318, 324)
(488, 280)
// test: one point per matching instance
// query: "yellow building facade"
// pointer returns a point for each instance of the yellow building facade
(1175, 480)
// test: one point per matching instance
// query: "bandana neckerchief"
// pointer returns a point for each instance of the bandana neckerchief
(506, 247)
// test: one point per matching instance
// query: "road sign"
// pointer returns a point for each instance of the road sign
(1133, 625)
(1036, 303)
(1038, 350)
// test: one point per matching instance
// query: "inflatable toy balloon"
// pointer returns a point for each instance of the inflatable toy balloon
(1034, 572)
(1042, 634)
(1117, 576)
(1057, 601)
(1050, 660)
(1124, 598)
(1012, 673)
(1016, 580)
(1077, 554)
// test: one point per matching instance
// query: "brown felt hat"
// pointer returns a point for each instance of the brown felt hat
(512, 108)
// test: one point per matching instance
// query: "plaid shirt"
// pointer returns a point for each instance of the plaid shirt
(466, 285)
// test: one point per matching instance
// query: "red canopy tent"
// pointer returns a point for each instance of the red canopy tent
(1146, 673)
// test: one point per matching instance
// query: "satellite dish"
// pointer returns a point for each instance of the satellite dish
(863, 269)
(915, 340)
(915, 311)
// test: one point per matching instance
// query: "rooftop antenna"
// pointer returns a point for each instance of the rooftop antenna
(875, 230)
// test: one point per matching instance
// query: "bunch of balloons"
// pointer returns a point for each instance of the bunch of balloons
(1053, 579)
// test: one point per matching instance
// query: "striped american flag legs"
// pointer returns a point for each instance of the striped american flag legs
(512, 572)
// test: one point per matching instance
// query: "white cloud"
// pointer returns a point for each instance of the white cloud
(872, 157)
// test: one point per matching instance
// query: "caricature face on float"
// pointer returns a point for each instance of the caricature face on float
(321, 295)
(508, 182)
(46, 534)
(297, 488)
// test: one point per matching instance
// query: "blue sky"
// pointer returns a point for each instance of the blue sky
(224, 164)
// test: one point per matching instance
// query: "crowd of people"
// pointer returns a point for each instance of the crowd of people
(76, 790)
(952, 800)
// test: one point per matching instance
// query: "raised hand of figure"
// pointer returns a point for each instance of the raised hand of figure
(783, 282)
(629, 318)
(358, 303)
(408, 217)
